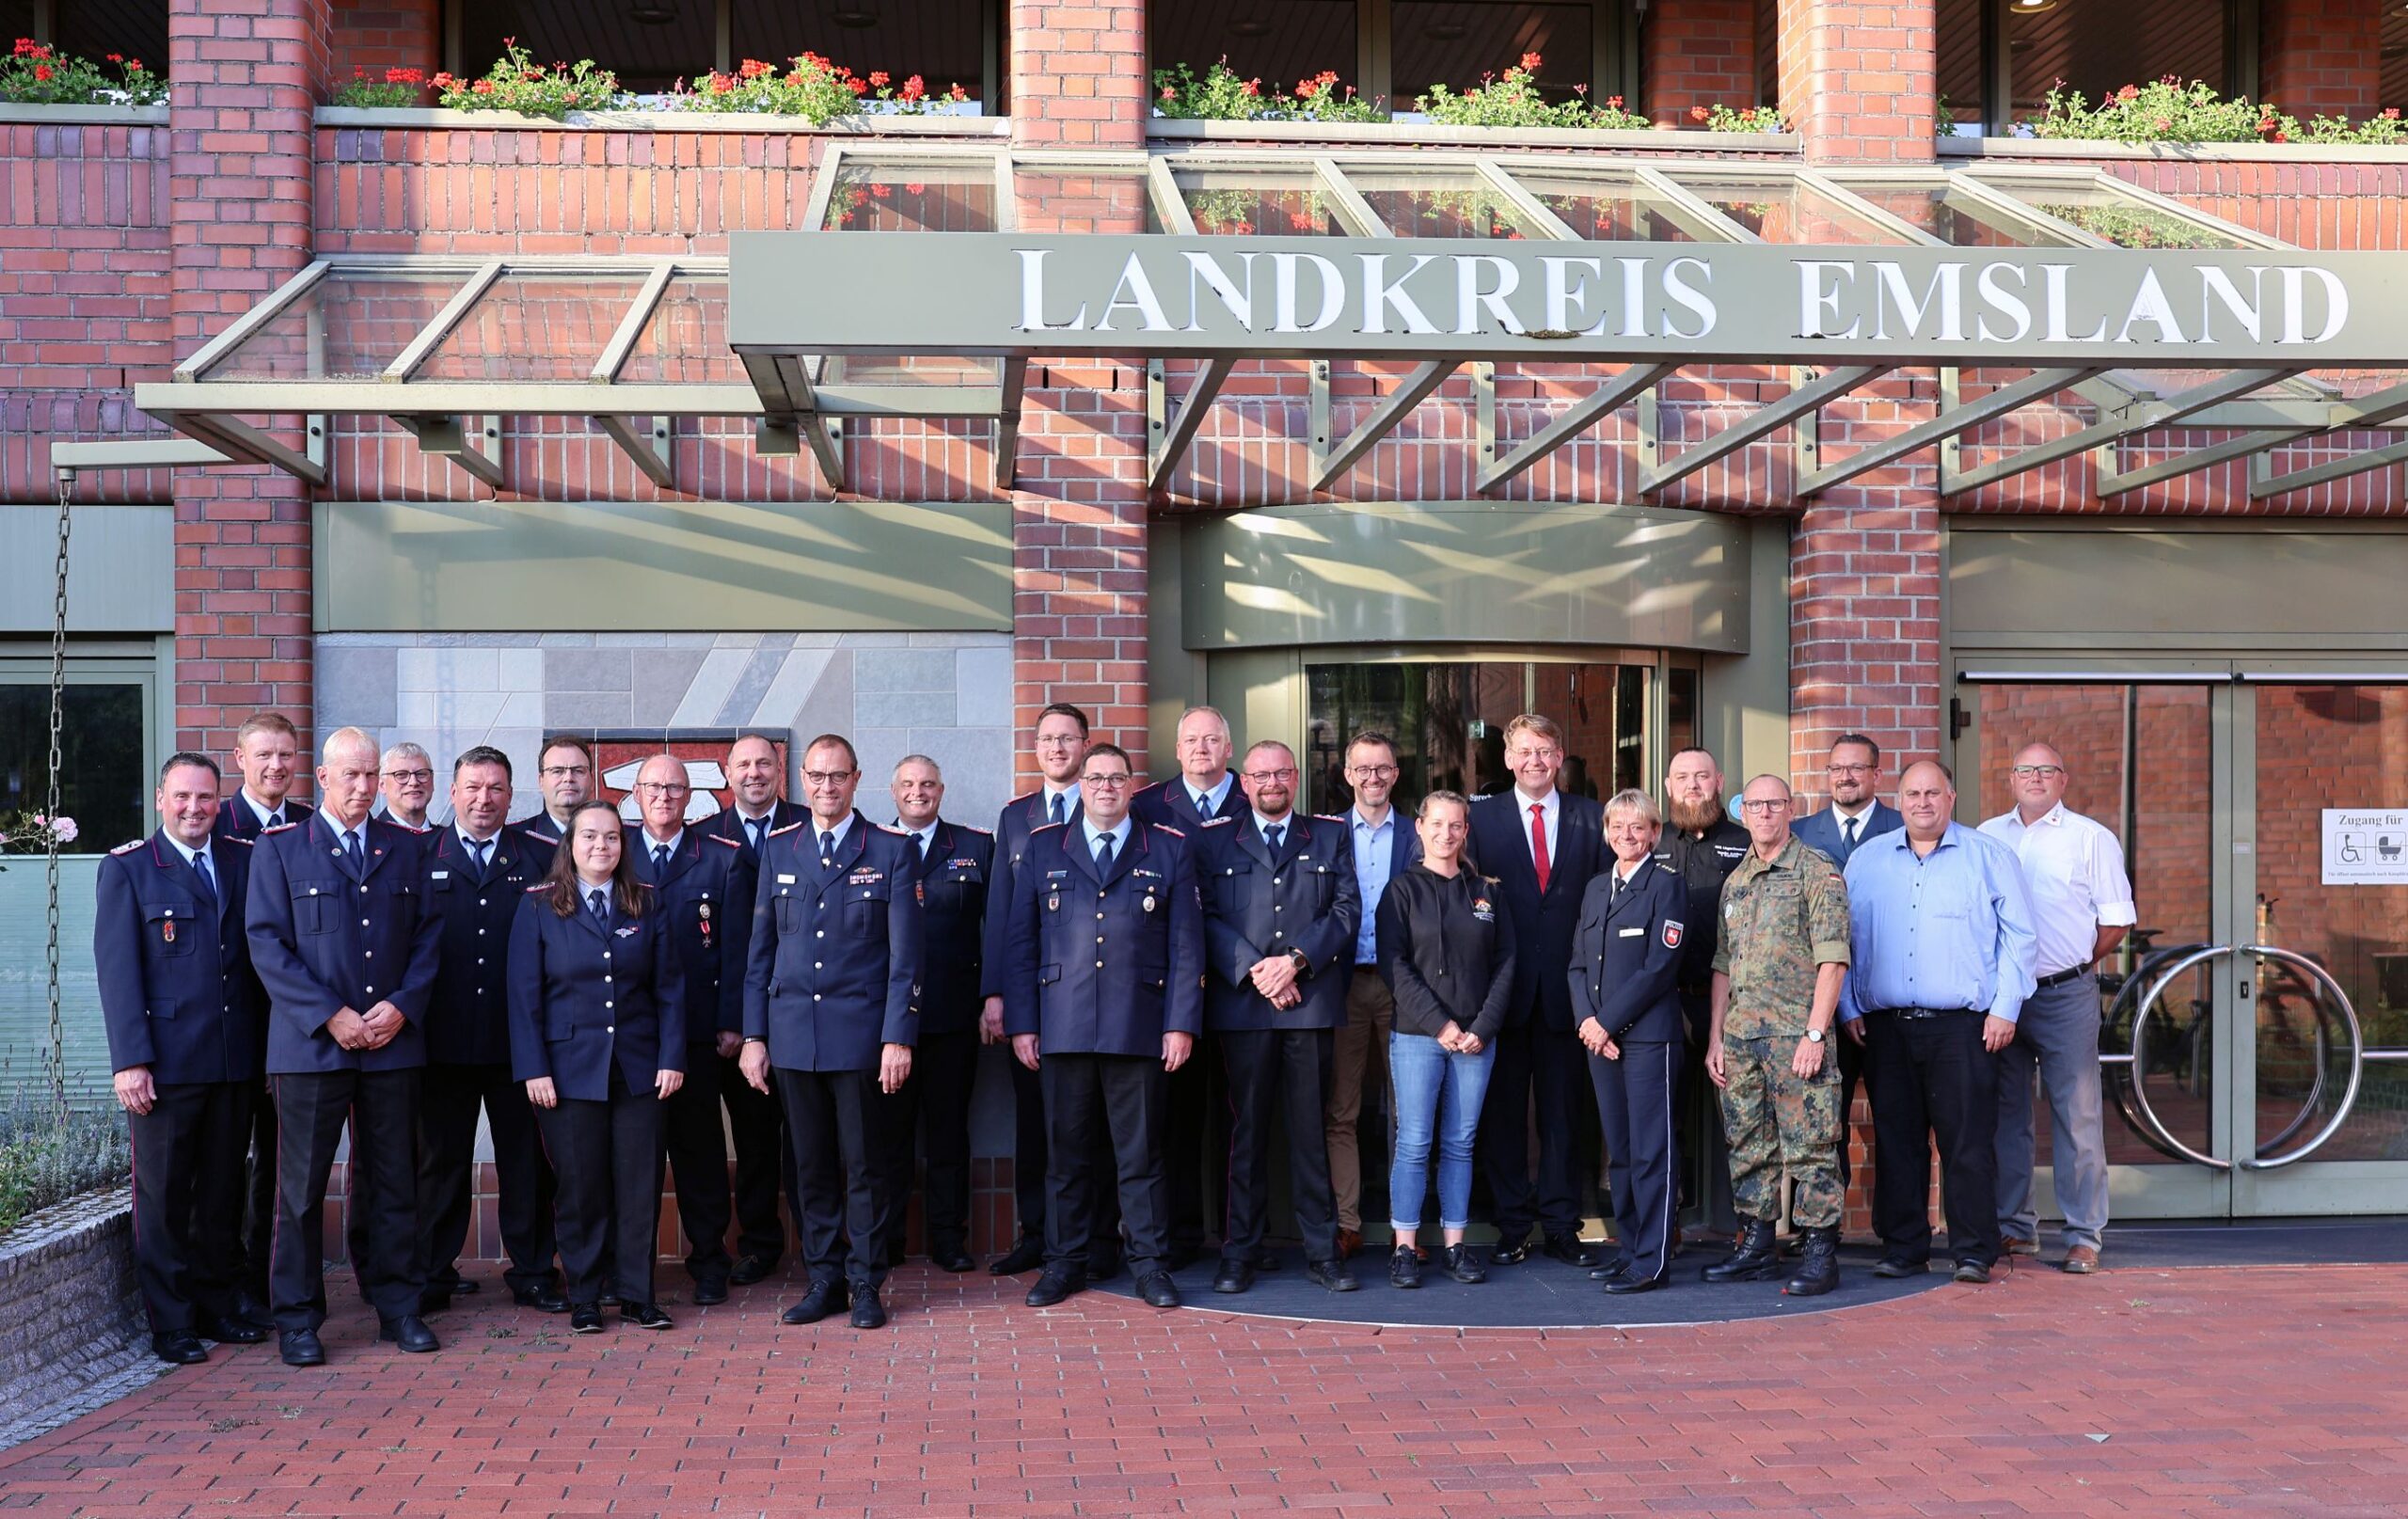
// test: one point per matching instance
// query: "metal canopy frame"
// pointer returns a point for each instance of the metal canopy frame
(797, 402)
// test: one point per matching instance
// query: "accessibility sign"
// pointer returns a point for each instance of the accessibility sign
(2366, 846)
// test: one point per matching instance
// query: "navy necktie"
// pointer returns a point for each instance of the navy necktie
(1104, 854)
(200, 868)
(477, 848)
(752, 830)
(351, 851)
(827, 848)
(659, 862)
(599, 901)
(1061, 807)
(1272, 836)
(1849, 830)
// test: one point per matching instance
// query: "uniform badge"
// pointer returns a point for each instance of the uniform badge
(167, 932)
(1482, 911)
(630, 931)
(1671, 934)
(1150, 901)
(706, 910)
(1054, 903)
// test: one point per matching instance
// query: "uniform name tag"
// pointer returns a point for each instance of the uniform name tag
(1633, 933)
(785, 880)
(439, 875)
(866, 877)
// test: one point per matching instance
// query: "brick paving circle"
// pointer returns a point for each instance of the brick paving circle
(2145, 1391)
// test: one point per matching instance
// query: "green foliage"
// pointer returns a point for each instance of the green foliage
(2163, 110)
(2136, 227)
(1719, 118)
(390, 90)
(1514, 100)
(2380, 131)
(35, 73)
(1222, 96)
(46, 1158)
(517, 83)
(814, 89)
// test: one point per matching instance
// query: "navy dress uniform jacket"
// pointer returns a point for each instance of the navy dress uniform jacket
(954, 886)
(1543, 920)
(467, 1019)
(707, 896)
(583, 996)
(174, 966)
(1169, 804)
(1105, 964)
(1021, 817)
(322, 941)
(835, 968)
(727, 823)
(1626, 958)
(1256, 906)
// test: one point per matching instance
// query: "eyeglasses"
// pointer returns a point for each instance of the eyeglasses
(1106, 782)
(1534, 752)
(828, 777)
(2046, 773)
(420, 777)
(1373, 773)
(554, 772)
(1270, 777)
(1059, 741)
(1849, 769)
(664, 788)
(1776, 805)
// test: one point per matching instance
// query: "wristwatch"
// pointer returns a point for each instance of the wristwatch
(1302, 961)
(1815, 1036)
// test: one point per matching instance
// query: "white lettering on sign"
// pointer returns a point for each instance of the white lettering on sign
(2366, 846)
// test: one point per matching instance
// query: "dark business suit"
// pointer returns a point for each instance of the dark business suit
(598, 1004)
(1260, 904)
(952, 880)
(756, 1126)
(706, 896)
(832, 979)
(1536, 1053)
(236, 820)
(1193, 1113)
(1624, 973)
(1822, 830)
(325, 936)
(1100, 966)
(173, 969)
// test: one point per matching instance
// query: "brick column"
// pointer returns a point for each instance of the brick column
(377, 34)
(1857, 78)
(245, 76)
(1864, 627)
(2321, 58)
(1079, 73)
(1698, 52)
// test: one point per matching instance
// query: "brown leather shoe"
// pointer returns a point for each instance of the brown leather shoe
(2081, 1260)
(1349, 1241)
(2012, 1245)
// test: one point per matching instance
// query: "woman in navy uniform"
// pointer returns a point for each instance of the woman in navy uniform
(1626, 1010)
(597, 1032)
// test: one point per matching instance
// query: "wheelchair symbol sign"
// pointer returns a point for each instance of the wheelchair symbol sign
(2365, 847)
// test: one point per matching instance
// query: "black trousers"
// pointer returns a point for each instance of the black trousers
(1851, 1057)
(188, 1186)
(1930, 1078)
(259, 1194)
(607, 1155)
(1287, 1073)
(1126, 1098)
(382, 1107)
(696, 1140)
(1635, 1109)
(832, 1118)
(763, 1160)
(1031, 1174)
(1704, 1175)
(1187, 1118)
(937, 1097)
(1533, 1061)
(447, 1169)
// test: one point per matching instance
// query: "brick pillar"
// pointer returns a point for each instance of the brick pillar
(1864, 627)
(377, 34)
(245, 76)
(1079, 73)
(1698, 52)
(1857, 78)
(2321, 58)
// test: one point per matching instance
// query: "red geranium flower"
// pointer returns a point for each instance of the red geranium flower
(915, 89)
(1530, 63)
(41, 70)
(879, 78)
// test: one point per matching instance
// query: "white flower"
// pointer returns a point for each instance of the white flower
(65, 827)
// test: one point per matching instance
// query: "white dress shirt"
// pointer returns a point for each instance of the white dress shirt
(2073, 870)
(1552, 813)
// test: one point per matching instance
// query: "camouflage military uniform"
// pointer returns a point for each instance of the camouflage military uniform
(1780, 922)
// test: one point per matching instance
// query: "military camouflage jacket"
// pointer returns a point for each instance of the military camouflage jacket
(1779, 921)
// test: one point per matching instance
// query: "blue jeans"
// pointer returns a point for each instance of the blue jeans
(1441, 1091)
(2057, 1040)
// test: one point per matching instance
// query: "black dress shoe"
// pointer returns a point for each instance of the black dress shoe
(1159, 1291)
(1512, 1250)
(1976, 1272)
(707, 1291)
(411, 1335)
(179, 1347)
(1625, 1285)
(1027, 1255)
(951, 1257)
(1054, 1287)
(232, 1331)
(1568, 1249)
(1233, 1276)
(1618, 1266)
(868, 1312)
(300, 1347)
(646, 1315)
(751, 1268)
(1104, 1265)
(585, 1319)
(824, 1297)
(610, 1298)
(1894, 1266)
(545, 1299)
(1332, 1274)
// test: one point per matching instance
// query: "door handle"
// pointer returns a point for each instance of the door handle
(2241, 991)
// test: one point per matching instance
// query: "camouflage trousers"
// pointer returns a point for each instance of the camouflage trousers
(1777, 1121)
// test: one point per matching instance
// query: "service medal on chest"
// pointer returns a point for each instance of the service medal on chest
(1149, 902)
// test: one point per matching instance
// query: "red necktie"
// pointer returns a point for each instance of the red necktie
(1538, 841)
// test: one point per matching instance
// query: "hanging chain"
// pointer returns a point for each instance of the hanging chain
(56, 1060)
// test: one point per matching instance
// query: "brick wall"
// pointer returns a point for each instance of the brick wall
(1078, 72)
(377, 34)
(2321, 57)
(1846, 69)
(1697, 53)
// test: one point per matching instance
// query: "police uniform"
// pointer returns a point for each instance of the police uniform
(598, 1003)
(1702, 861)
(1299, 900)
(1625, 962)
(832, 979)
(238, 820)
(950, 875)
(173, 969)
(1782, 921)
(1102, 962)
(326, 933)
(705, 891)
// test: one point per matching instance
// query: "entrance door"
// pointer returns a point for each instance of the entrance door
(2249, 1021)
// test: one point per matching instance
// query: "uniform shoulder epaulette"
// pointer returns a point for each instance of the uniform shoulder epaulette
(233, 839)
(722, 838)
(885, 829)
(539, 886)
(1210, 822)
(1045, 827)
(129, 846)
(1330, 817)
(280, 828)
(1181, 832)
(789, 829)
(982, 833)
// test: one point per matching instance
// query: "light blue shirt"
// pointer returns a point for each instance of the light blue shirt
(1208, 803)
(1374, 860)
(1952, 929)
(1119, 836)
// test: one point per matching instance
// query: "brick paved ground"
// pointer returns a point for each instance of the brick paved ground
(2253, 1390)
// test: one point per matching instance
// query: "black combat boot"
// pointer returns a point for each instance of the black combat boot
(1820, 1272)
(1753, 1258)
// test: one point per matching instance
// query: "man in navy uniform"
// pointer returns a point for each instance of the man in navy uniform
(1281, 908)
(1857, 813)
(348, 952)
(564, 775)
(831, 1005)
(1702, 846)
(702, 886)
(407, 785)
(949, 868)
(186, 1040)
(1204, 788)
(1542, 845)
(756, 776)
(475, 871)
(1061, 746)
(1104, 1023)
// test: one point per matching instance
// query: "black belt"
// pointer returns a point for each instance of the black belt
(2061, 978)
(1926, 1012)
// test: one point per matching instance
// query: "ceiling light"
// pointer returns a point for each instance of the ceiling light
(651, 13)
(1249, 28)
(856, 20)
(2033, 8)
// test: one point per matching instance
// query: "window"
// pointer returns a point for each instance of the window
(93, 29)
(104, 784)
(2096, 50)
